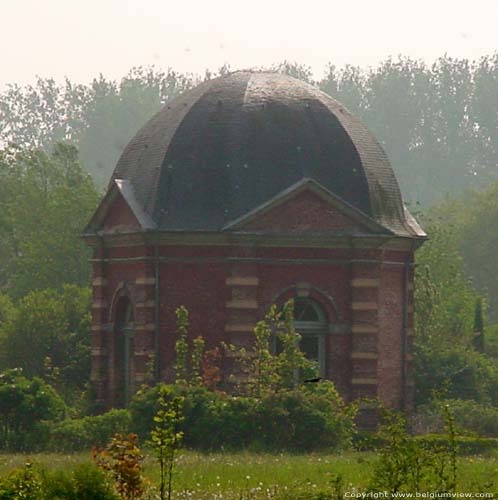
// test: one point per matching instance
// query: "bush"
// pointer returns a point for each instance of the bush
(80, 434)
(466, 445)
(407, 464)
(470, 418)
(84, 482)
(307, 417)
(21, 483)
(25, 406)
(212, 419)
(458, 371)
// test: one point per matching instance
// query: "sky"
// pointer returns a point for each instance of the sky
(81, 39)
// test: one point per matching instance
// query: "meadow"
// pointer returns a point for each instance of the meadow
(244, 476)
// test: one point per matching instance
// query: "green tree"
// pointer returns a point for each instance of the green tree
(444, 296)
(166, 436)
(99, 118)
(444, 358)
(24, 404)
(48, 324)
(274, 362)
(45, 202)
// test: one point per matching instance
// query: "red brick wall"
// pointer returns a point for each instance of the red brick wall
(228, 288)
(304, 212)
(120, 217)
(389, 370)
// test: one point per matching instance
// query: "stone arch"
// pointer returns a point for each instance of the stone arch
(325, 300)
(122, 290)
(322, 318)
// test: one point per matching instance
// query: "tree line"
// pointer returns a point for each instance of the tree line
(437, 122)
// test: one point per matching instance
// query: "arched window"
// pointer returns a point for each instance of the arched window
(123, 350)
(311, 323)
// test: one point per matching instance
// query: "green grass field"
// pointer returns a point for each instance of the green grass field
(258, 476)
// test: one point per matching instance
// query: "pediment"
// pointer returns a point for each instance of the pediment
(119, 211)
(306, 207)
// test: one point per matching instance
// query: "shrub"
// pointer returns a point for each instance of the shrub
(24, 406)
(84, 482)
(306, 417)
(470, 418)
(84, 433)
(466, 445)
(21, 483)
(123, 459)
(405, 464)
(460, 372)
(212, 419)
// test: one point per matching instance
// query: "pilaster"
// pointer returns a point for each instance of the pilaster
(365, 282)
(99, 351)
(145, 341)
(242, 307)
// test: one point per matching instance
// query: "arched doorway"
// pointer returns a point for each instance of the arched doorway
(123, 350)
(310, 321)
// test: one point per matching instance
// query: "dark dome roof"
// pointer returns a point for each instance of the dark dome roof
(231, 144)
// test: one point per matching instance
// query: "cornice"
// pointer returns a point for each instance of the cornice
(252, 239)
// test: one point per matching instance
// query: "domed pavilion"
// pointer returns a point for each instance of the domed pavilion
(246, 191)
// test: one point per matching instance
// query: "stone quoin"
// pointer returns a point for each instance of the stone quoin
(246, 191)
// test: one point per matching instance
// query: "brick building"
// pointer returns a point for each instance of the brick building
(248, 190)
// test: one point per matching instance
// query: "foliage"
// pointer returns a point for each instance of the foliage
(45, 202)
(7, 315)
(491, 344)
(100, 117)
(23, 484)
(305, 417)
(444, 356)
(427, 117)
(212, 419)
(211, 371)
(47, 335)
(454, 372)
(123, 460)
(435, 121)
(84, 482)
(478, 340)
(24, 405)
(72, 435)
(470, 418)
(194, 365)
(275, 361)
(181, 345)
(198, 349)
(165, 437)
(465, 445)
(472, 216)
(444, 296)
(406, 465)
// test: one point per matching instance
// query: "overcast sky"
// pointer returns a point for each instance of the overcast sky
(81, 39)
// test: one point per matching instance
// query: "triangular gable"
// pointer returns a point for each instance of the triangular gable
(306, 207)
(119, 211)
